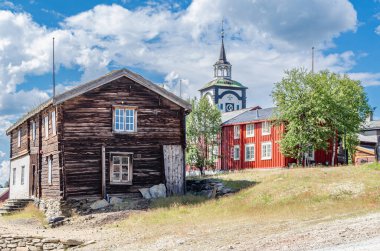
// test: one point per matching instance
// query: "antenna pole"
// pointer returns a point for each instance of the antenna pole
(53, 70)
(312, 59)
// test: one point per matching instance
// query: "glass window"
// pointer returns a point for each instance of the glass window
(53, 120)
(19, 138)
(13, 176)
(22, 175)
(236, 152)
(34, 130)
(249, 152)
(250, 130)
(265, 127)
(124, 120)
(46, 127)
(236, 132)
(266, 150)
(121, 169)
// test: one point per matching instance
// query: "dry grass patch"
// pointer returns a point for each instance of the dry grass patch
(30, 212)
(294, 195)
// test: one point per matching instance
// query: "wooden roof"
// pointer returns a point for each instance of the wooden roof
(97, 83)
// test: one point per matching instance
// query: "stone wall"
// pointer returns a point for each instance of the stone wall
(34, 243)
(50, 207)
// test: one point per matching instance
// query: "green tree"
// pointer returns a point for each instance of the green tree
(202, 131)
(317, 108)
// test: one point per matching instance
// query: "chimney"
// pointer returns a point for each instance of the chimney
(370, 117)
(257, 113)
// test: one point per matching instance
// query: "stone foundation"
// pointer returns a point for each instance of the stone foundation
(37, 243)
(51, 207)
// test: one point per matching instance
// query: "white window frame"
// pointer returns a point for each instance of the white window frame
(33, 130)
(264, 152)
(50, 170)
(46, 124)
(53, 123)
(232, 153)
(265, 128)
(120, 165)
(252, 158)
(236, 131)
(19, 138)
(250, 130)
(236, 152)
(22, 182)
(14, 176)
(128, 113)
(310, 154)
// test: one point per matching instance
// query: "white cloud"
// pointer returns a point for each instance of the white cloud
(263, 38)
(2, 154)
(367, 78)
(4, 171)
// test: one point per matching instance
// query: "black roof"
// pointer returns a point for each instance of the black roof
(252, 115)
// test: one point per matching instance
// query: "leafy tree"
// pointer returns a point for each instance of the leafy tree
(202, 132)
(316, 108)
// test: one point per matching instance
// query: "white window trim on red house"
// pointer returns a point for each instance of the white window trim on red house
(266, 150)
(265, 128)
(236, 152)
(236, 132)
(250, 154)
(250, 130)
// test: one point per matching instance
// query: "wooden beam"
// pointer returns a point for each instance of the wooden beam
(104, 193)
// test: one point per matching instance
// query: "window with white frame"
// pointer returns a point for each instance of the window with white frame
(33, 130)
(19, 138)
(236, 132)
(232, 152)
(46, 120)
(121, 169)
(265, 127)
(266, 150)
(13, 176)
(124, 119)
(22, 175)
(236, 152)
(249, 152)
(53, 123)
(250, 130)
(50, 169)
(310, 153)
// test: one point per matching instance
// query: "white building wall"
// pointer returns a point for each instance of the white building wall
(230, 98)
(18, 191)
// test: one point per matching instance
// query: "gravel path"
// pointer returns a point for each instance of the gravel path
(354, 233)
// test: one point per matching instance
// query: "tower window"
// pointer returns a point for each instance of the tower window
(237, 107)
(221, 107)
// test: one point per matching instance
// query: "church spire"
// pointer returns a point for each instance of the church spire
(222, 55)
(222, 68)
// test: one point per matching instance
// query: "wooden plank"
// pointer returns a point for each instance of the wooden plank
(173, 162)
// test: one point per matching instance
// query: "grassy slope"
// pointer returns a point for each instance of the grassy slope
(275, 195)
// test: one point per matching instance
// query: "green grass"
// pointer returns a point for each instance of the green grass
(28, 213)
(374, 166)
(271, 195)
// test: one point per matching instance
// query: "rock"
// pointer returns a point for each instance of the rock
(145, 193)
(56, 219)
(72, 242)
(158, 191)
(50, 240)
(99, 204)
(22, 249)
(115, 200)
(206, 193)
(226, 190)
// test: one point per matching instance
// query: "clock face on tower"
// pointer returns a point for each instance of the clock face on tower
(229, 107)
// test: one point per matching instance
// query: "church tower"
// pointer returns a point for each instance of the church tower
(227, 94)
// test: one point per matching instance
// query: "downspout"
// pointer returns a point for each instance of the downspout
(104, 189)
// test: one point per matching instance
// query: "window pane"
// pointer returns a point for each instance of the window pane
(116, 176)
(116, 168)
(125, 169)
(125, 160)
(116, 160)
(125, 177)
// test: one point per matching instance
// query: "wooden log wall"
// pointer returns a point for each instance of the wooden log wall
(24, 147)
(87, 123)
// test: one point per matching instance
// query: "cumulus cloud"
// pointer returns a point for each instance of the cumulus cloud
(263, 38)
(4, 171)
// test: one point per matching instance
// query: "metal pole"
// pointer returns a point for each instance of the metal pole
(53, 71)
(312, 59)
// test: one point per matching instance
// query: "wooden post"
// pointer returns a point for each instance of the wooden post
(104, 193)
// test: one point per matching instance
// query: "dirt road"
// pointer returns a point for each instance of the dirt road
(352, 233)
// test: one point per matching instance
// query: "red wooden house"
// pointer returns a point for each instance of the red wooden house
(250, 141)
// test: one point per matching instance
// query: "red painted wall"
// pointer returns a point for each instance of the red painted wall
(278, 159)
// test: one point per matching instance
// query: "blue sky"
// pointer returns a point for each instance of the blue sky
(166, 41)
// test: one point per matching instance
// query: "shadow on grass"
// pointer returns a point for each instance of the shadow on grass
(191, 199)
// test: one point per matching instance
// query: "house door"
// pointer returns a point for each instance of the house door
(174, 164)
